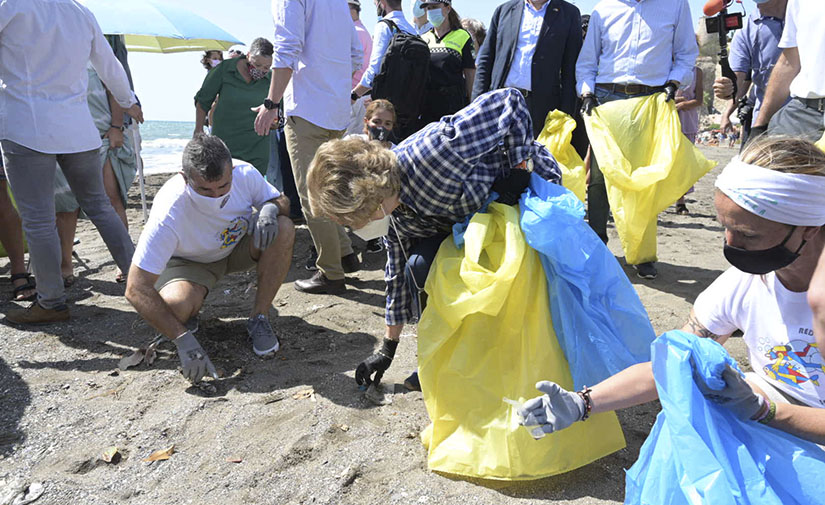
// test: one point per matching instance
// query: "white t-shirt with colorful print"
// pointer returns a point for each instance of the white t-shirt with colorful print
(183, 224)
(778, 329)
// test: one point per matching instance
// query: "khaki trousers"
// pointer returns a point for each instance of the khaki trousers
(331, 240)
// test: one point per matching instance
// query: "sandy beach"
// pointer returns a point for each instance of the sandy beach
(294, 429)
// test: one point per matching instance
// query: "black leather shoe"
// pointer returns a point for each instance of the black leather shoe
(319, 284)
(350, 263)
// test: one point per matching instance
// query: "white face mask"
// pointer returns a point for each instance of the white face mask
(206, 204)
(374, 229)
(214, 63)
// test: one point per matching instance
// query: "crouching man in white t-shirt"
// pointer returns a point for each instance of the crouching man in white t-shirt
(204, 225)
(772, 206)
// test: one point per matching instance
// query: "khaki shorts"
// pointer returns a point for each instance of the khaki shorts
(208, 274)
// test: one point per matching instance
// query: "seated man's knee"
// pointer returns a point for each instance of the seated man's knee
(184, 298)
(286, 229)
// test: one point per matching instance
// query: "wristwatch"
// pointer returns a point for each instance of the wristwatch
(354, 96)
(121, 127)
(270, 105)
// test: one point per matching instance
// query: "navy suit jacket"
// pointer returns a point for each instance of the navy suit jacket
(554, 61)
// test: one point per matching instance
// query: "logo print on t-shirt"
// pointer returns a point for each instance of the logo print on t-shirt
(234, 232)
(795, 363)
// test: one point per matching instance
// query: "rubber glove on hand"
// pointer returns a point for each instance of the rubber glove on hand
(510, 188)
(555, 410)
(193, 359)
(589, 103)
(266, 226)
(378, 363)
(670, 91)
(737, 396)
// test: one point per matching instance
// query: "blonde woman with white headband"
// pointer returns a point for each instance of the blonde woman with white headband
(771, 202)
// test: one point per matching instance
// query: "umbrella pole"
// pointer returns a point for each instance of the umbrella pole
(141, 181)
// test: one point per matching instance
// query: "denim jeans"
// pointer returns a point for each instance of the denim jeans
(31, 176)
(273, 170)
(422, 254)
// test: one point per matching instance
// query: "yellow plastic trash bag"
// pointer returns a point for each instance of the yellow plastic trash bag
(486, 334)
(556, 135)
(647, 164)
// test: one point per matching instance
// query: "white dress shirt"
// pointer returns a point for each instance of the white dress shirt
(803, 30)
(646, 42)
(521, 69)
(45, 46)
(318, 41)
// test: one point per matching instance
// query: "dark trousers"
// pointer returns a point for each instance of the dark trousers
(798, 120)
(422, 254)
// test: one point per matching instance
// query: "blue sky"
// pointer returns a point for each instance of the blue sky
(167, 83)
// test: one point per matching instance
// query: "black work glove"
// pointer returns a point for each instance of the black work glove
(510, 188)
(589, 103)
(378, 363)
(670, 91)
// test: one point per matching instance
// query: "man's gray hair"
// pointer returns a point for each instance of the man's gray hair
(207, 157)
(261, 47)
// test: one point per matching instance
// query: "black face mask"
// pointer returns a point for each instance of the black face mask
(380, 10)
(379, 133)
(762, 261)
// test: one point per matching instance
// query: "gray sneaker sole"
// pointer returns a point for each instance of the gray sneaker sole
(268, 352)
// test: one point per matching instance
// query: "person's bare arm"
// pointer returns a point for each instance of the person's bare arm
(469, 79)
(200, 119)
(805, 422)
(816, 299)
(283, 205)
(394, 332)
(114, 134)
(635, 385)
(277, 87)
(699, 95)
(787, 67)
(141, 293)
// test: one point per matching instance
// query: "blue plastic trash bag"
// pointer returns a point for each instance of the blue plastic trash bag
(601, 324)
(700, 453)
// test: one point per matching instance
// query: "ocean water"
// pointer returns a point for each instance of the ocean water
(163, 143)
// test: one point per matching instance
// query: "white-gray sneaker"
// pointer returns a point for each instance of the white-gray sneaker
(264, 340)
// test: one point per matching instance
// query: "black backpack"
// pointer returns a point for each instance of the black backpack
(403, 76)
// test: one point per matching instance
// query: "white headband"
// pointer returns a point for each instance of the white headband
(794, 199)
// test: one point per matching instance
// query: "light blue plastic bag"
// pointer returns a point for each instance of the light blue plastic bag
(700, 453)
(601, 324)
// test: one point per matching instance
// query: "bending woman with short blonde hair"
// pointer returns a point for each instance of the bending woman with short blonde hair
(438, 177)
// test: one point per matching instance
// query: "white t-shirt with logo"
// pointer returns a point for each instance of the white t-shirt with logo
(186, 225)
(777, 326)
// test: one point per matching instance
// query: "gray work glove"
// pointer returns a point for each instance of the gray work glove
(555, 410)
(737, 396)
(266, 227)
(193, 359)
